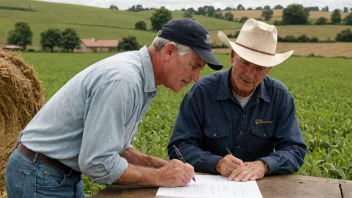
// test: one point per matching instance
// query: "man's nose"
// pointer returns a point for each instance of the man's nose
(251, 70)
(195, 76)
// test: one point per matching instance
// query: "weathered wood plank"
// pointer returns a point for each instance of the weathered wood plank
(283, 186)
(346, 189)
(292, 186)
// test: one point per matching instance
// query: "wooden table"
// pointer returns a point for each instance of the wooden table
(290, 186)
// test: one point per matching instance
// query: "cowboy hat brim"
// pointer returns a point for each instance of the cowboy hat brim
(255, 57)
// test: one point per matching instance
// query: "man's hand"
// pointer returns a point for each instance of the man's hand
(249, 171)
(176, 173)
(227, 165)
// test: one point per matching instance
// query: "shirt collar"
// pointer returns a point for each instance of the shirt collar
(225, 89)
(149, 85)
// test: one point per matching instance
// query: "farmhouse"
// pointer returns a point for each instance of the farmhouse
(12, 47)
(95, 45)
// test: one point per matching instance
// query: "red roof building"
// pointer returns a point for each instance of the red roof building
(12, 47)
(94, 45)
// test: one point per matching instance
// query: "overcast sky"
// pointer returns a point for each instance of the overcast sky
(178, 4)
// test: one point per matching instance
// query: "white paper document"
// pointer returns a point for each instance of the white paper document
(213, 186)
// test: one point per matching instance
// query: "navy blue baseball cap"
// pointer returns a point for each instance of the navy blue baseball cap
(190, 33)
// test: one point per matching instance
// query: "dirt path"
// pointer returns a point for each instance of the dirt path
(304, 49)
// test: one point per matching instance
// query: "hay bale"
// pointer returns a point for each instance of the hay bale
(21, 97)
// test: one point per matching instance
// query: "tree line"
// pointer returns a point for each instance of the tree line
(22, 35)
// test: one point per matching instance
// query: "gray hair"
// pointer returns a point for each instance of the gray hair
(158, 43)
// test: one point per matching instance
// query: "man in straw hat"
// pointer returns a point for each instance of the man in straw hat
(241, 123)
(89, 125)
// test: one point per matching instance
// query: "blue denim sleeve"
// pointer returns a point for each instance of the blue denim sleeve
(187, 134)
(104, 130)
(290, 148)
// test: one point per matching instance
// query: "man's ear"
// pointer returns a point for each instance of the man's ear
(268, 70)
(169, 51)
(232, 58)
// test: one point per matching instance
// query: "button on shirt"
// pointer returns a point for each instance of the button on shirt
(95, 116)
(211, 119)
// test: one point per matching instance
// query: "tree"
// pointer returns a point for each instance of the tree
(140, 25)
(321, 21)
(128, 43)
(249, 8)
(345, 9)
(160, 17)
(243, 19)
(336, 16)
(240, 7)
(348, 19)
(201, 11)
(136, 8)
(344, 36)
(258, 8)
(188, 14)
(114, 7)
(267, 7)
(227, 8)
(314, 8)
(21, 35)
(70, 40)
(219, 15)
(278, 7)
(267, 14)
(295, 14)
(50, 38)
(326, 9)
(229, 16)
(191, 10)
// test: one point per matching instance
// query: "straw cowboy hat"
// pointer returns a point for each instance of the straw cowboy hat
(256, 43)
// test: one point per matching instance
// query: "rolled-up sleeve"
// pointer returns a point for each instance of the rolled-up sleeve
(107, 111)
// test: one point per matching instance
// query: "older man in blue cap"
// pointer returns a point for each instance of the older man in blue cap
(89, 125)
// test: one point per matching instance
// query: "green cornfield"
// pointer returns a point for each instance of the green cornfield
(321, 88)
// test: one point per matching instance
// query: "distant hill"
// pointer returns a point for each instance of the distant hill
(88, 21)
(277, 15)
(103, 23)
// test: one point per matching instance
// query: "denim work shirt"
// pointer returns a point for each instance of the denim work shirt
(92, 119)
(211, 119)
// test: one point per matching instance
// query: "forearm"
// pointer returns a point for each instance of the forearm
(140, 176)
(285, 161)
(135, 157)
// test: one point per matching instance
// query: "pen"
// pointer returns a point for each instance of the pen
(228, 150)
(180, 157)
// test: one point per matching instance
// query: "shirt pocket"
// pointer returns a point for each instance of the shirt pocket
(216, 140)
(261, 142)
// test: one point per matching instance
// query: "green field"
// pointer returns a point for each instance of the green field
(321, 88)
(89, 22)
(103, 23)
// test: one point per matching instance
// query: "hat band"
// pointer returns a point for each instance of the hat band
(255, 49)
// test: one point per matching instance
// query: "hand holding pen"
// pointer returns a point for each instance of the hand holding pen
(179, 155)
(228, 164)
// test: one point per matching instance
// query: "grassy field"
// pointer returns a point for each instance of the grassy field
(323, 32)
(321, 88)
(304, 49)
(87, 21)
(103, 23)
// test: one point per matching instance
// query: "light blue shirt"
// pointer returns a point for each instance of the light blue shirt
(94, 117)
